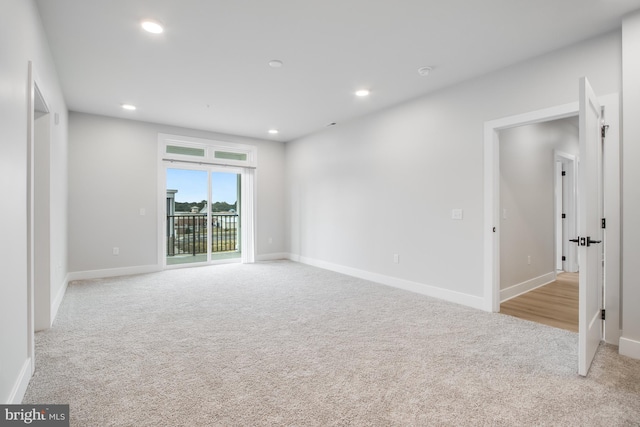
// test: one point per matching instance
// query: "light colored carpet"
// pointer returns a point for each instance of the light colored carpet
(281, 343)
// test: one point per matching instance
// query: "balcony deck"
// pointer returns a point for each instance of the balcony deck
(187, 234)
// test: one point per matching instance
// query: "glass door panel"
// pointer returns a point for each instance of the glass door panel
(225, 215)
(187, 233)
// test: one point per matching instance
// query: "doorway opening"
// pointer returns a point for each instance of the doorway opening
(206, 201)
(41, 212)
(203, 215)
(538, 209)
(39, 301)
(611, 201)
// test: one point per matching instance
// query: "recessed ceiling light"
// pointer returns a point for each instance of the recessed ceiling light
(128, 107)
(362, 92)
(273, 131)
(152, 26)
(275, 63)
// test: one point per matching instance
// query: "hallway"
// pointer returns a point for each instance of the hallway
(555, 304)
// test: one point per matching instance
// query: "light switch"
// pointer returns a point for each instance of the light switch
(456, 214)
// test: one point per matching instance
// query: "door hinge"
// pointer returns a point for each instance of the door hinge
(602, 314)
(564, 173)
(604, 223)
(564, 216)
(604, 128)
(564, 258)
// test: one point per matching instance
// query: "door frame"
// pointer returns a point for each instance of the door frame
(244, 219)
(611, 174)
(246, 167)
(39, 308)
(566, 197)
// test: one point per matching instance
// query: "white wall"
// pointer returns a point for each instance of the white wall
(348, 185)
(113, 174)
(630, 341)
(527, 192)
(22, 40)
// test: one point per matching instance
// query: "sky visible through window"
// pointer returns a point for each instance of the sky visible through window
(192, 185)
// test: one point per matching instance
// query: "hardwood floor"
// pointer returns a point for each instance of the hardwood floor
(555, 304)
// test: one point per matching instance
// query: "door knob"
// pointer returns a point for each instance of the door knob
(581, 241)
(589, 241)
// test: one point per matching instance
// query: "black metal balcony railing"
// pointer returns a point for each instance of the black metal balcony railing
(187, 233)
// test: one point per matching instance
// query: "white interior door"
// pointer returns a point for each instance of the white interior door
(559, 220)
(589, 227)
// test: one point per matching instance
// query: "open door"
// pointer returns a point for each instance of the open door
(589, 227)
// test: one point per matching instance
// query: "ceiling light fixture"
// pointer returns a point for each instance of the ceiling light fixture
(363, 92)
(273, 131)
(152, 26)
(276, 63)
(128, 107)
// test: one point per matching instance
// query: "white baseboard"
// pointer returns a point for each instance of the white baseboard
(143, 269)
(524, 287)
(629, 348)
(55, 304)
(272, 256)
(21, 384)
(294, 257)
(112, 272)
(420, 288)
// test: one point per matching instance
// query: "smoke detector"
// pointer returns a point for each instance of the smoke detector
(424, 71)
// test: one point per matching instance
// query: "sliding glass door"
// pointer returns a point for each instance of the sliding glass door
(225, 215)
(202, 215)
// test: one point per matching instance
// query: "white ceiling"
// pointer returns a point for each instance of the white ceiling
(209, 69)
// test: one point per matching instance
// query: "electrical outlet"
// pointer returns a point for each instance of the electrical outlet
(529, 260)
(396, 259)
(456, 214)
(116, 251)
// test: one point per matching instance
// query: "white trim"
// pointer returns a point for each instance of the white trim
(31, 217)
(526, 286)
(248, 189)
(569, 199)
(55, 304)
(293, 257)
(37, 96)
(419, 288)
(612, 212)
(203, 263)
(559, 196)
(248, 199)
(612, 204)
(22, 382)
(492, 191)
(161, 206)
(112, 272)
(491, 250)
(273, 256)
(629, 348)
(209, 147)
